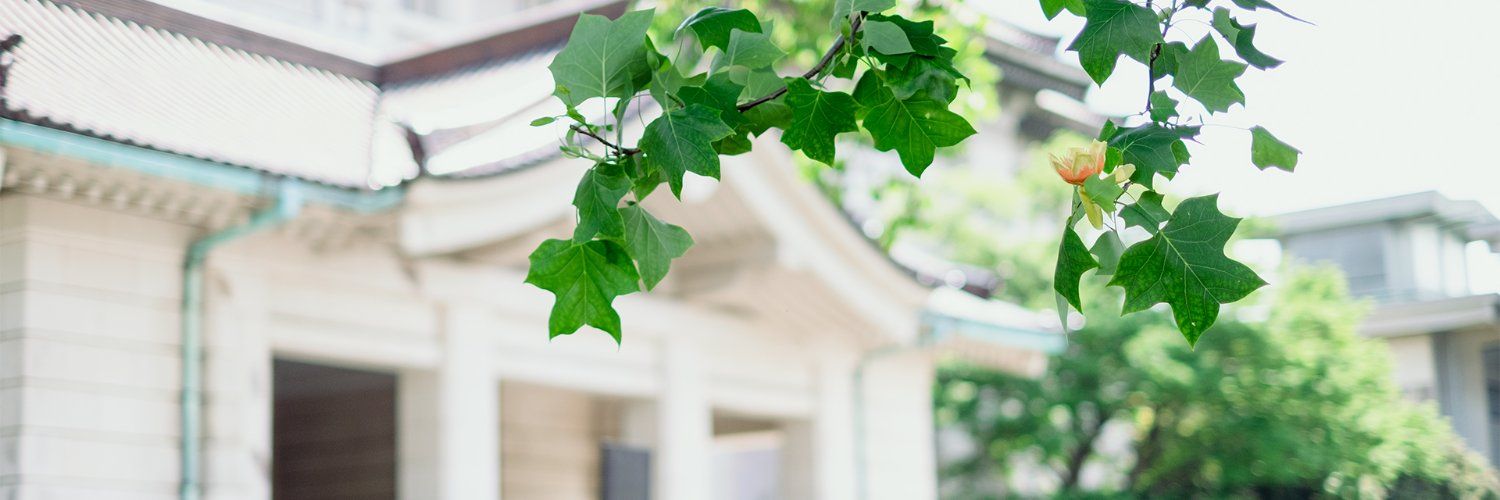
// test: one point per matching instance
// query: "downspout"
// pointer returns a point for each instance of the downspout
(287, 204)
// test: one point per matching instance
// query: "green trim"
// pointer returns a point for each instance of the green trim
(201, 172)
(1038, 340)
(288, 203)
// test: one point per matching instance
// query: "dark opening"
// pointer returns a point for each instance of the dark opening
(334, 433)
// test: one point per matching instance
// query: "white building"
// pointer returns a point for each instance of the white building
(217, 277)
(1410, 255)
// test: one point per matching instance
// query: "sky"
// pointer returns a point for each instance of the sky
(1384, 97)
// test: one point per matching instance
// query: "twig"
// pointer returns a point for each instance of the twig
(833, 51)
(618, 149)
(1155, 53)
(828, 57)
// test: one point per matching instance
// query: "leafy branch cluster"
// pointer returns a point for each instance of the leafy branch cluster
(895, 79)
(1182, 262)
(900, 79)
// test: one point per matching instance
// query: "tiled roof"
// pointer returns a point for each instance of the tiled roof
(119, 80)
(204, 89)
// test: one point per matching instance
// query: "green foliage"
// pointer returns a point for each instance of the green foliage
(1073, 259)
(1114, 28)
(1242, 38)
(586, 277)
(908, 80)
(1203, 76)
(1154, 149)
(1266, 151)
(1184, 265)
(653, 243)
(603, 58)
(682, 140)
(817, 118)
(712, 26)
(1181, 264)
(915, 128)
(1292, 406)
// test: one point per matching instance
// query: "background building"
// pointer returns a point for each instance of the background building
(1411, 256)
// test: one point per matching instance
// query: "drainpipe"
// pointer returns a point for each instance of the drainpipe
(287, 203)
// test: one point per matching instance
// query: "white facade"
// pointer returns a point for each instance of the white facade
(761, 323)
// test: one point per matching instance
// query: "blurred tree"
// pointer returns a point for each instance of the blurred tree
(1289, 404)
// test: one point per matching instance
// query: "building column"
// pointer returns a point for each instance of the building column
(449, 421)
(237, 382)
(833, 433)
(684, 433)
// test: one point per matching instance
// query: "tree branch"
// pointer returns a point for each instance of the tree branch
(618, 149)
(827, 59)
(833, 51)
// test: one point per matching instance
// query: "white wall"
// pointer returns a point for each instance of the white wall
(88, 352)
(89, 372)
(1463, 396)
(898, 429)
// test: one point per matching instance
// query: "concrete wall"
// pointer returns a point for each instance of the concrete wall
(88, 352)
(89, 369)
(1462, 392)
(898, 429)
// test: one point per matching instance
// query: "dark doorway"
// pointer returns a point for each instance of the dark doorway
(334, 433)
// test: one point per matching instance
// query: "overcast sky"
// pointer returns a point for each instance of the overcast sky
(1384, 97)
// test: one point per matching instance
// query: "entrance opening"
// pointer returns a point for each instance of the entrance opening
(333, 433)
(748, 461)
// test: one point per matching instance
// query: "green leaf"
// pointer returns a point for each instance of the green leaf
(1166, 60)
(761, 82)
(1267, 151)
(933, 77)
(1054, 7)
(915, 128)
(1108, 131)
(885, 37)
(920, 35)
(644, 177)
(773, 114)
(1208, 79)
(721, 93)
(545, 120)
(1146, 212)
(1163, 106)
(1073, 259)
(682, 140)
(1242, 38)
(1153, 149)
(750, 50)
(584, 278)
(1259, 4)
(1107, 250)
(1103, 192)
(653, 243)
(1114, 27)
(714, 25)
(817, 118)
(598, 200)
(603, 58)
(1184, 266)
(843, 8)
(870, 92)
